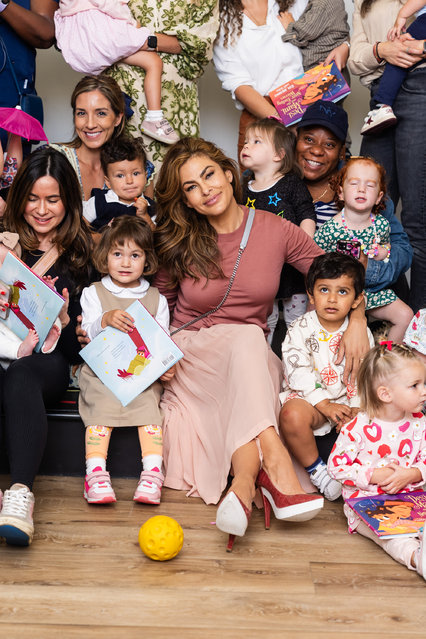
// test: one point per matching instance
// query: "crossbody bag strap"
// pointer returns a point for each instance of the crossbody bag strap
(46, 261)
(243, 244)
(12, 70)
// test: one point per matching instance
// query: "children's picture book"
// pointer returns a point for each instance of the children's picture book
(33, 304)
(127, 363)
(402, 514)
(323, 82)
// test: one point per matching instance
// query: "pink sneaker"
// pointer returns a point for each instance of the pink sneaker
(97, 488)
(149, 487)
(160, 130)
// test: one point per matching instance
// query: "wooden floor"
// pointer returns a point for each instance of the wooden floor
(85, 576)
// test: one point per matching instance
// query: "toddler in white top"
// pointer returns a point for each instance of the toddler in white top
(316, 398)
(95, 34)
(125, 254)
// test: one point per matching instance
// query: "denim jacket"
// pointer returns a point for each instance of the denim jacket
(380, 275)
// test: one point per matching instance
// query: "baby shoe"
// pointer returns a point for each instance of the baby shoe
(329, 487)
(149, 487)
(380, 118)
(97, 487)
(160, 130)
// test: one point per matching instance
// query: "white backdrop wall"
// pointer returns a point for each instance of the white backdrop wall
(219, 117)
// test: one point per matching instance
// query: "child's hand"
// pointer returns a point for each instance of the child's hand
(397, 28)
(142, 211)
(81, 334)
(400, 478)
(168, 375)
(382, 252)
(286, 18)
(381, 475)
(336, 413)
(118, 319)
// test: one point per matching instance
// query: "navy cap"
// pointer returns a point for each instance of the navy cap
(326, 114)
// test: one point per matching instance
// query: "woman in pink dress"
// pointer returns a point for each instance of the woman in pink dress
(220, 410)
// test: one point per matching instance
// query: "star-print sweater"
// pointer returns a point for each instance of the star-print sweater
(290, 199)
(309, 352)
(366, 444)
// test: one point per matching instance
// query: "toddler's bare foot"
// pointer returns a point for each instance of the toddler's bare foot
(28, 345)
(52, 338)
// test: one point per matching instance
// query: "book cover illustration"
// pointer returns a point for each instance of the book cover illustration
(323, 82)
(127, 363)
(33, 304)
(402, 514)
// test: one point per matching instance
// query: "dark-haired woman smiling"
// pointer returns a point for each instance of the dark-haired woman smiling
(45, 208)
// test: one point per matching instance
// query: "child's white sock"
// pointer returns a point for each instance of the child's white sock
(95, 463)
(154, 116)
(152, 462)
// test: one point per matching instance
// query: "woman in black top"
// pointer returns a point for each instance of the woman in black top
(44, 207)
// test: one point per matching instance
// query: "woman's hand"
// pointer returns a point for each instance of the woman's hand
(354, 344)
(286, 18)
(339, 55)
(403, 52)
(118, 319)
(64, 318)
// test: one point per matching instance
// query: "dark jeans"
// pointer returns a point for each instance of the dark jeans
(28, 383)
(410, 154)
(393, 76)
(381, 147)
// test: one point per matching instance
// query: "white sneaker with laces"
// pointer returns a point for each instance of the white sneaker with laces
(329, 487)
(380, 118)
(16, 517)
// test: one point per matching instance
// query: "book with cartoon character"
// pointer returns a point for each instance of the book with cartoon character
(388, 516)
(33, 304)
(127, 363)
(323, 82)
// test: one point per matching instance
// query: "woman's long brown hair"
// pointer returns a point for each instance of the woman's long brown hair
(185, 241)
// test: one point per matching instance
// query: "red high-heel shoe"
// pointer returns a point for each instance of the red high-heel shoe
(232, 517)
(289, 507)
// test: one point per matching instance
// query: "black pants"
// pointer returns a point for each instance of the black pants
(28, 384)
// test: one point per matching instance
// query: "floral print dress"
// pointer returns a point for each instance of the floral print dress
(329, 233)
(194, 23)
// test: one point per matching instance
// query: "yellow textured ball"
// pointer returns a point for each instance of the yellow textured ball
(161, 538)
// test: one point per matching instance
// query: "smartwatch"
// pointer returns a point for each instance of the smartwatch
(3, 4)
(151, 41)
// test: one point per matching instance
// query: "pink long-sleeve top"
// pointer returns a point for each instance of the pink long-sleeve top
(272, 242)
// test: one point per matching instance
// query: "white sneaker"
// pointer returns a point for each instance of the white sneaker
(379, 118)
(160, 130)
(329, 487)
(16, 517)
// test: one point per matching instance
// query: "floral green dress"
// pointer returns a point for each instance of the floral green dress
(195, 24)
(327, 235)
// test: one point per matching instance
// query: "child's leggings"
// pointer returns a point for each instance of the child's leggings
(401, 549)
(98, 437)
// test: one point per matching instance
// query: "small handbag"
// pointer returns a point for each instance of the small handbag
(243, 244)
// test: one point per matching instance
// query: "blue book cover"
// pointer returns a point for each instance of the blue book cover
(127, 363)
(33, 303)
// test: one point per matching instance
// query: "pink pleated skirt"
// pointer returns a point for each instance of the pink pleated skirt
(224, 393)
(91, 41)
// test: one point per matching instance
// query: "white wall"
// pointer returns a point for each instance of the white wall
(219, 118)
